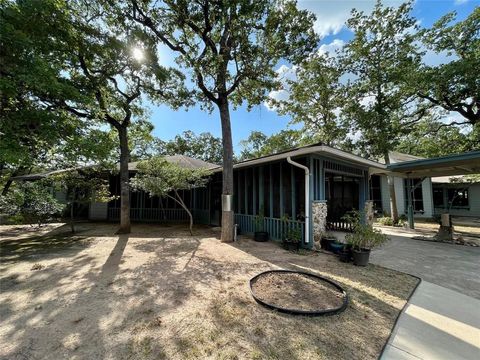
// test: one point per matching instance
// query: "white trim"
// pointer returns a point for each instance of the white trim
(307, 196)
(320, 149)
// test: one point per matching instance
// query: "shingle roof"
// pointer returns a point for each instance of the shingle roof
(181, 160)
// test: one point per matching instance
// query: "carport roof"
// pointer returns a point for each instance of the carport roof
(461, 164)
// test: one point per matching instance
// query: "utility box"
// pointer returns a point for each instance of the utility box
(446, 220)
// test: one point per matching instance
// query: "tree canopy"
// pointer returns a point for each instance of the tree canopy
(231, 49)
(454, 85)
(158, 177)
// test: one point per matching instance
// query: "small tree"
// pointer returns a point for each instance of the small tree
(33, 202)
(82, 187)
(159, 177)
(231, 47)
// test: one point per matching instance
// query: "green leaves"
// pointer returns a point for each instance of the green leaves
(380, 56)
(159, 177)
(455, 85)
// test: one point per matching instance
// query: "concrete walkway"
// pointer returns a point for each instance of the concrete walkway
(437, 323)
(455, 267)
(442, 319)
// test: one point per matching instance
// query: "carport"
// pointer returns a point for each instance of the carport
(461, 164)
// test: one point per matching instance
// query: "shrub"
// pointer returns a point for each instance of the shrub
(364, 236)
(386, 221)
(31, 203)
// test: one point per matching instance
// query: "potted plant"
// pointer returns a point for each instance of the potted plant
(345, 254)
(260, 234)
(326, 241)
(292, 239)
(363, 239)
(336, 246)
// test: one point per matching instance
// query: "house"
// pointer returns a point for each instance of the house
(309, 188)
(431, 196)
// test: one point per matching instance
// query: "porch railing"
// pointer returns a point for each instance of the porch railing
(276, 228)
(141, 214)
(339, 225)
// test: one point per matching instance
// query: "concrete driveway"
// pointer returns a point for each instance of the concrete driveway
(455, 267)
(442, 319)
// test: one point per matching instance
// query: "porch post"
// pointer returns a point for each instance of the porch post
(254, 193)
(260, 189)
(281, 191)
(270, 190)
(293, 193)
(245, 188)
(411, 223)
(310, 215)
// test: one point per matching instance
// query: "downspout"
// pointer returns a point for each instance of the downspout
(307, 197)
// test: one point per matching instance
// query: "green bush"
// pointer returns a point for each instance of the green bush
(364, 236)
(30, 203)
(386, 221)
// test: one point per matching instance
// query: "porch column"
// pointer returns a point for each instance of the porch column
(293, 193)
(281, 191)
(270, 191)
(319, 220)
(369, 214)
(411, 224)
(260, 189)
(254, 193)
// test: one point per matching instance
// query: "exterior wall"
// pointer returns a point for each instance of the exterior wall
(400, 194)
(98, 211)
(385, 194)
(401, 197)
(427, 198)
(474, 204)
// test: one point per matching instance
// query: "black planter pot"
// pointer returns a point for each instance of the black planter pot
(260, 236)
(345, 256)
(327, 244)
(336, 247)
(361, 257)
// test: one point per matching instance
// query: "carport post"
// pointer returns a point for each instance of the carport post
(411, 223)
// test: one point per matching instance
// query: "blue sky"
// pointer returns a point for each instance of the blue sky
(331, 15)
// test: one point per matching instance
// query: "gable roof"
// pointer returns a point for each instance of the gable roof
(319, 149)
(180, 160)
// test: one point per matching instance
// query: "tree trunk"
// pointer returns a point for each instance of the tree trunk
(9, 182)
(72, 217)
(124, 182)
(227, 189)
(391, 190)
(179, 200)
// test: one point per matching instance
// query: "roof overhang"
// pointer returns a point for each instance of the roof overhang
(461, 164)
(373, 166)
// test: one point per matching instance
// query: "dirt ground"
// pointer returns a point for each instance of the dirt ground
(160, 293)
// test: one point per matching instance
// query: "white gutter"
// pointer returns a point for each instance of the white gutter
(307, 196)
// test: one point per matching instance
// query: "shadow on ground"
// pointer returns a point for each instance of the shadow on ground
(159, 293)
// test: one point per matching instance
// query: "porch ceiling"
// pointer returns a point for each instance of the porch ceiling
(461, 164)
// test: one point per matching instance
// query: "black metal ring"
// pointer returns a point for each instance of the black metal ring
(333, 311)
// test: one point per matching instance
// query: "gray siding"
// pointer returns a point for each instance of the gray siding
(98, 211)
(474, 203)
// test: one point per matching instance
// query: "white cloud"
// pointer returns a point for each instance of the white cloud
(332, 15)
(460, 2)
(331, 48)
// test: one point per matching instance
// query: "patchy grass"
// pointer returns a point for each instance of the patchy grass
(161, 294)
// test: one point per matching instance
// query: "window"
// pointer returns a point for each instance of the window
(438, 199)
(458, 198)
(376, 193)
(417, 195)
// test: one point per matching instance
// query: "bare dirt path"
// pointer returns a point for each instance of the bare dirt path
(159, 293)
